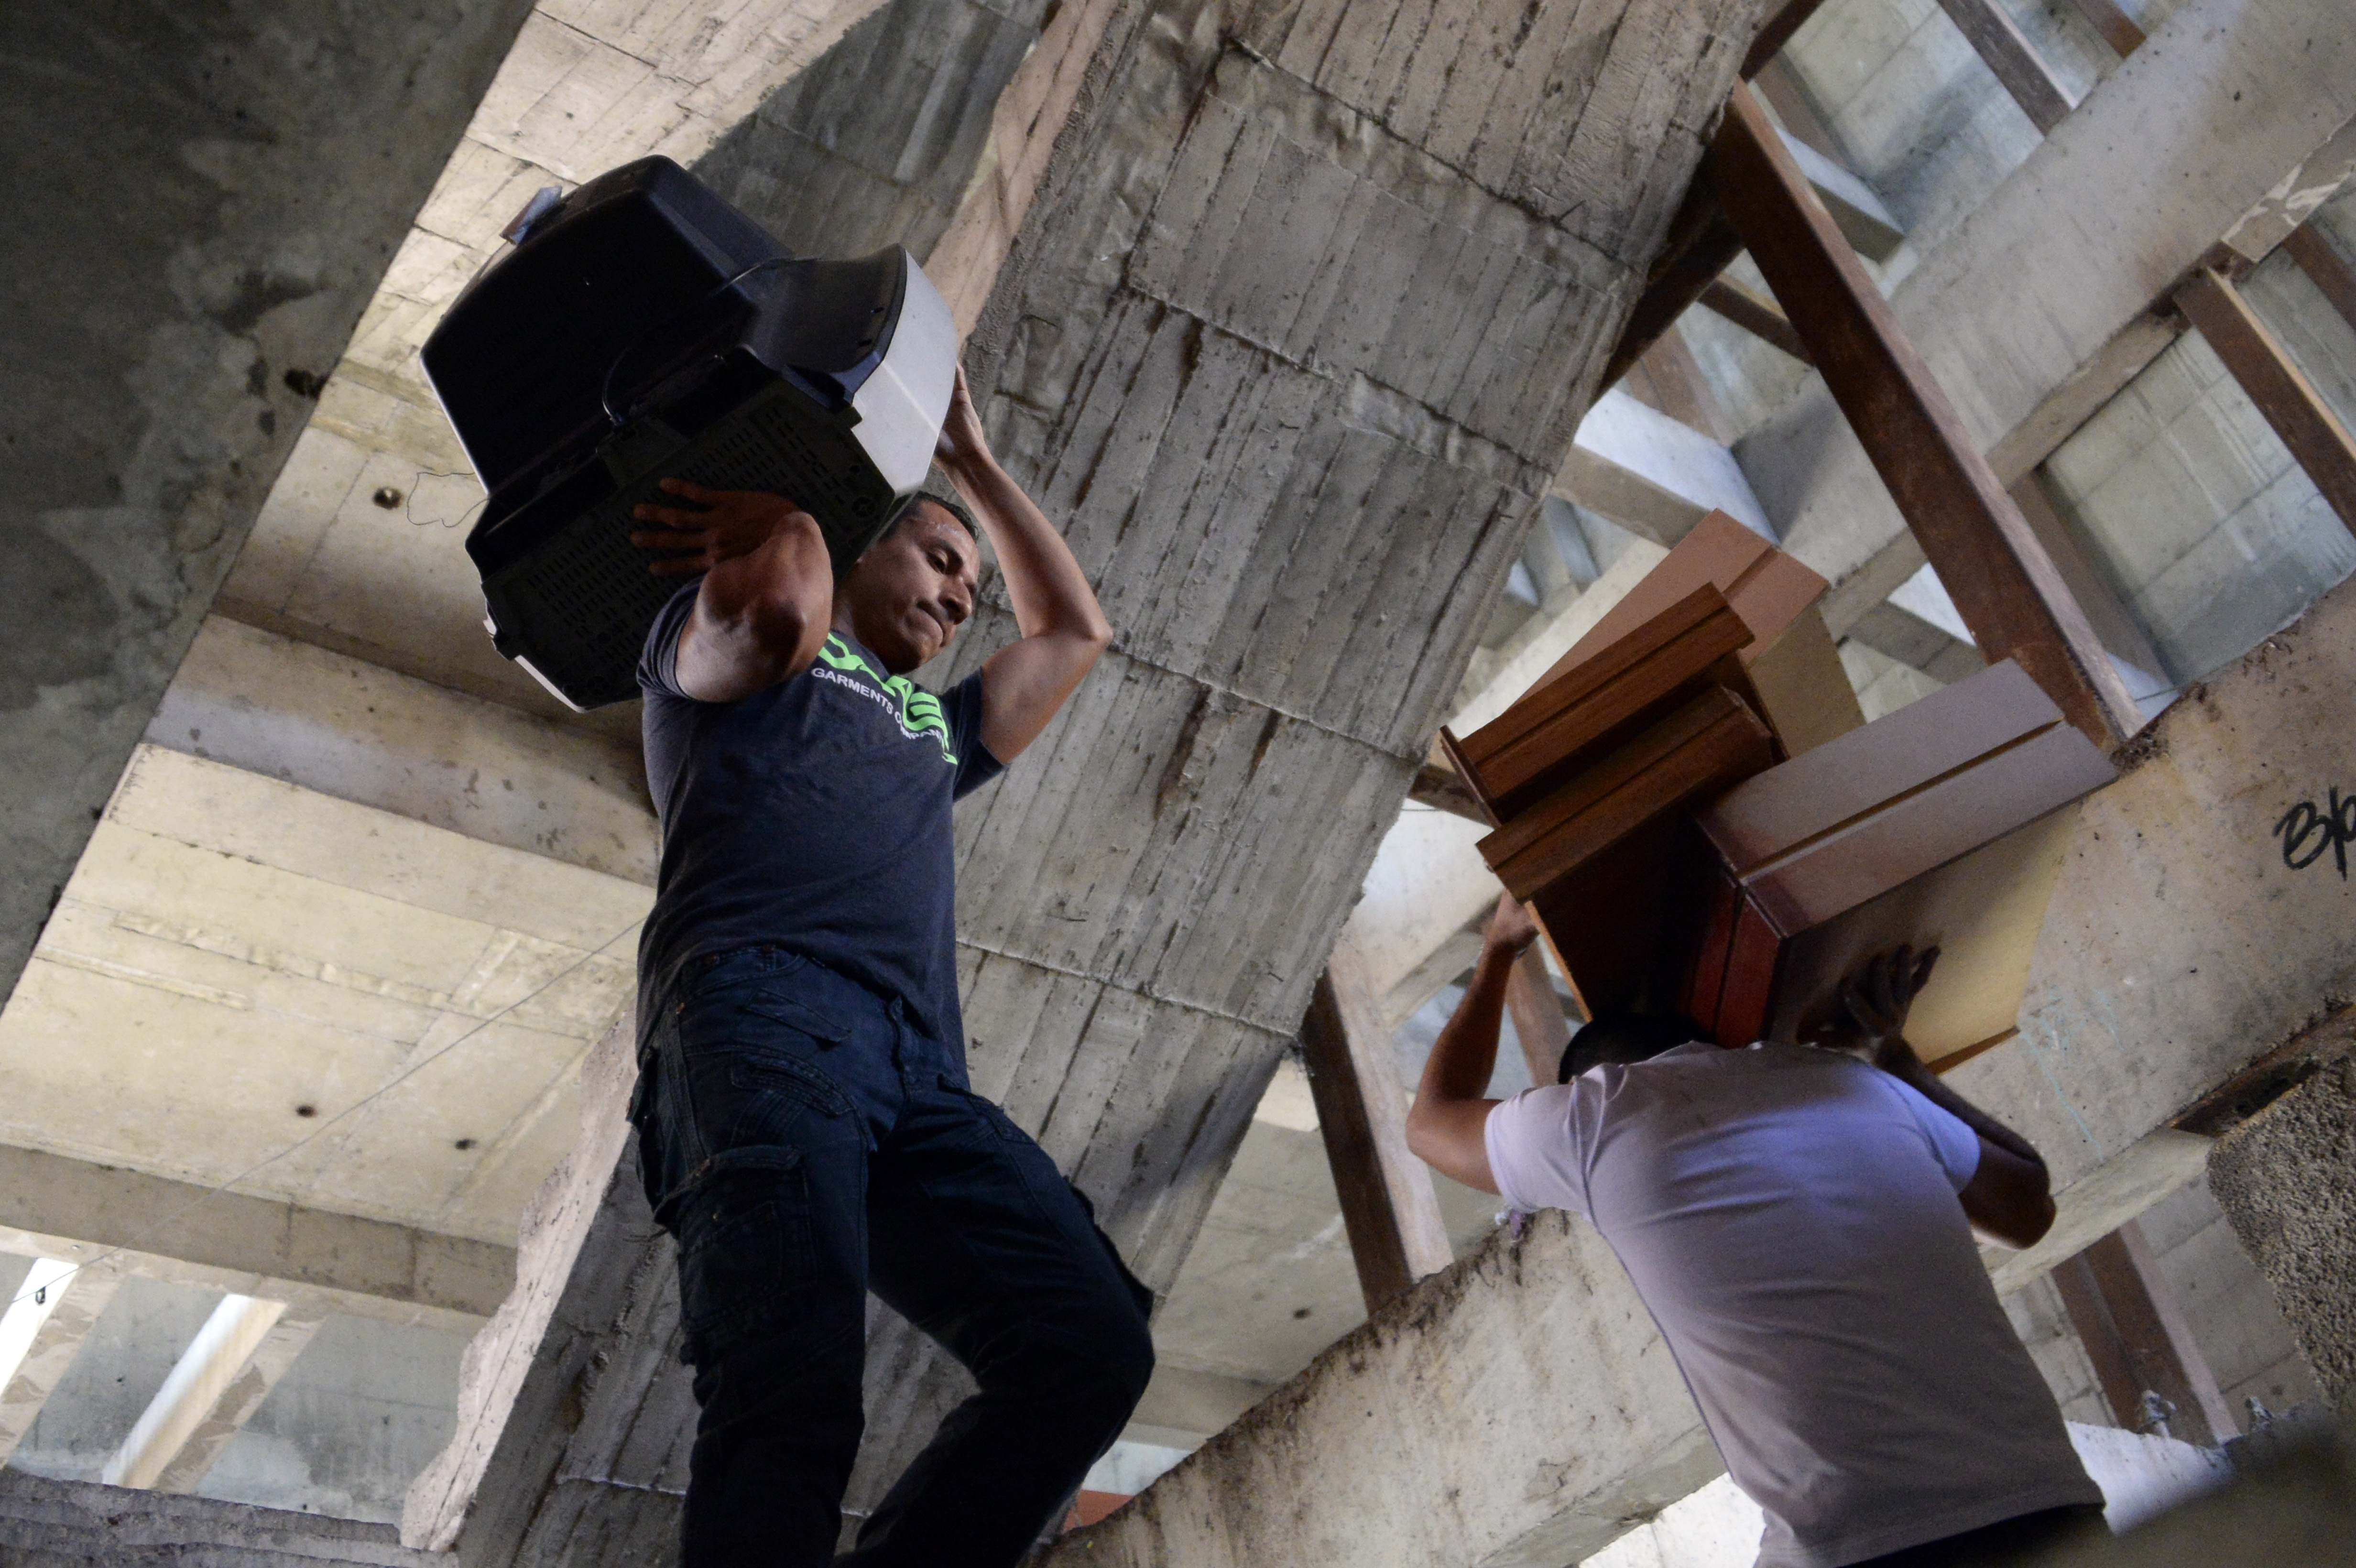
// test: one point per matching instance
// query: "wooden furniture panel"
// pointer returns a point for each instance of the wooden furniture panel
(1515, 758)
(1944, 825)
(1705, 745)
(1797, 683)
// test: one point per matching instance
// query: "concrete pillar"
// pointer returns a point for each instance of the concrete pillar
(2286, 1182)
(221, 188)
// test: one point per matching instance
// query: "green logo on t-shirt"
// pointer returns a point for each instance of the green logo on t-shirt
(917, 710)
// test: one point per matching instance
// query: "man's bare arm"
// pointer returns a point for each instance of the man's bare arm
(1448, 1124)
(2010, 1197)
(762, 611)
(1063, 629)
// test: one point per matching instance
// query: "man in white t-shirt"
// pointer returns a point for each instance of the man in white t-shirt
(1798, 1220)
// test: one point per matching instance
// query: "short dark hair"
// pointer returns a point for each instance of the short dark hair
(1625, 1037)
(938, 489)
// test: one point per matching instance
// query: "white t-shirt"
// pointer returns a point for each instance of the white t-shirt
(1789, 1217)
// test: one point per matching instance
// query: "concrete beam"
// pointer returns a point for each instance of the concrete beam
(344, 727)
(2225, 123)
(223, 1376)
(1640, 467)
(41, 1331)
(72, 1210)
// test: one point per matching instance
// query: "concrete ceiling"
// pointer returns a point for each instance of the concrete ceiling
(238, 962)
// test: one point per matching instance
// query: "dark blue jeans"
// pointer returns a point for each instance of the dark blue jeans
(805, 1143)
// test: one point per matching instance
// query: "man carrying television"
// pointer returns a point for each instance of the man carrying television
(1798, 1220)
(807, 1133)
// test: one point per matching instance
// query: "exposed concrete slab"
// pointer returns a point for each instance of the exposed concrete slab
(342, 727)
(1640, 467)
(2227, 101)
(1475, 1433)
(151, 332)
(240, 965)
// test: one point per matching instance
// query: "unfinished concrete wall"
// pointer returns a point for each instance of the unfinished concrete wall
(218, 188)
(2205, 526)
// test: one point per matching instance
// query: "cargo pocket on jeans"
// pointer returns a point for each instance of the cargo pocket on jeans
(743, 1233)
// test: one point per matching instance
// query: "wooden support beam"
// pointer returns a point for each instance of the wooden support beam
(2289, 401)
(2005, 585)
(2118, 29)
(1756, 315)
(2113, 622)
(1536, 1012)
(1700, 245)
(2325, 267)
(223, 1376)
(41, 1331)
(2016, 63)
(1776, 34)
(2137, 1342)
(1389, 1207)
(1436, 785)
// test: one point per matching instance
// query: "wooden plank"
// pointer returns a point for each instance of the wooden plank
(2136, 1343)
(2325, 267)
(1701, 244)
(1536, 1012)
(1706, 743)
(1509, 760)
(2009, 54)
(2282, 392)
(1389, 1207)
(2118, 29)
(1776, 34)
(2010, 593)
(1756, 315)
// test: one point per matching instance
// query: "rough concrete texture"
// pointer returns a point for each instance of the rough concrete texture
(2030, 320)
(80, 1524)
(220, 186)
(1519, 1409)
(2286, 1182)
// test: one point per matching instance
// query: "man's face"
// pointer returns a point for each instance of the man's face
(913, 589)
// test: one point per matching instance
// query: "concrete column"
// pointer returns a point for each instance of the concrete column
(2286, 1182)
(41, 1331)
(222, 188)
(222, 1378)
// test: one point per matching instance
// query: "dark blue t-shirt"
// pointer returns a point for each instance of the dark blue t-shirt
(814, 816)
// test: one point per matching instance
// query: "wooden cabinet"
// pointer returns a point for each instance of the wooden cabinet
(1944, 824)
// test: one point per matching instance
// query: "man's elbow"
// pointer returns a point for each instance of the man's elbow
(1420, 1133)
(786, 635)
